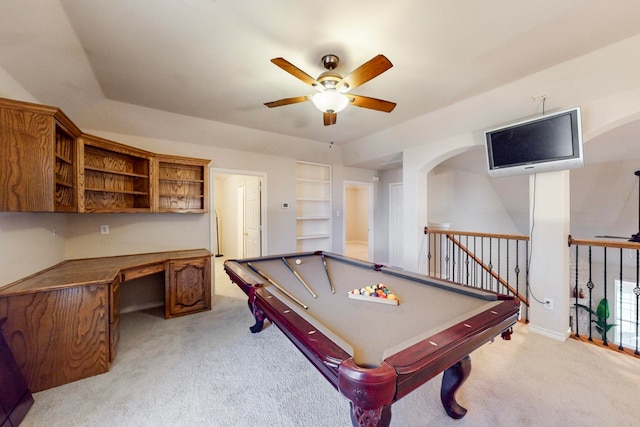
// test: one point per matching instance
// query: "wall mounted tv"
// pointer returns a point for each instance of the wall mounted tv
(547, 143)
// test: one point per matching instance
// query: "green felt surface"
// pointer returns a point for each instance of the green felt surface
(368, 331)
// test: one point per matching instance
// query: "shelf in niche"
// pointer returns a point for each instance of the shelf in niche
(312, 236)
(64, 183)
(196, 181)
(319, 181)
(134, 175)
(103, 190)
(184, 196)
(64, 159)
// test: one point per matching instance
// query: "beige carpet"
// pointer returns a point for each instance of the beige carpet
(209, 370)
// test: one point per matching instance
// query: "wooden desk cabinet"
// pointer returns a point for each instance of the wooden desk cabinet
(187, 287)
(15, 397)
(63, 323)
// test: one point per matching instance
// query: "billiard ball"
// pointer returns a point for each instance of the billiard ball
(298, 261)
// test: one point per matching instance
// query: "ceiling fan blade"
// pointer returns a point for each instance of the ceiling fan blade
(286, 101)
(373, 68)
(330, 118)
(295, 71)
(371, 103)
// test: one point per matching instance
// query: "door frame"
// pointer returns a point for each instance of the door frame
(395, 233)
(263, 203)
(370, 213)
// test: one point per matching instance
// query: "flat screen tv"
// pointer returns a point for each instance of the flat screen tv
(547, 143)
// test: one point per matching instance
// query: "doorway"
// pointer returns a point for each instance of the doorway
(358, 220)
(238, 205)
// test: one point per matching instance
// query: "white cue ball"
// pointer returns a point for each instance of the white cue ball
(298, 261)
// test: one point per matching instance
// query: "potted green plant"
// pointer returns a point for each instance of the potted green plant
(602, 314)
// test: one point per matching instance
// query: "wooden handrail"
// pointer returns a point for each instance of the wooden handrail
(487, 269)
(607, 243)
(428, 230)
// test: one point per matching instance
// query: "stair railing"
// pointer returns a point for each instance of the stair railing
(497, 262)
(605, 293)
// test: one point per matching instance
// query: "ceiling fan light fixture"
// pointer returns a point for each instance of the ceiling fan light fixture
(330, 101)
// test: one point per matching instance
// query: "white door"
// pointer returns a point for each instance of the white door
(241, 233)
(395, 225)
(252, 217)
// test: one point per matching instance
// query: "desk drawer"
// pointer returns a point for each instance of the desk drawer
(141, 271)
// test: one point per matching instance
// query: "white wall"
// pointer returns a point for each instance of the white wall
(28, 243)
(78, 235)
(467, 201)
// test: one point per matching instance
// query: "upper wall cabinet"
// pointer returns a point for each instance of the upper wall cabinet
(113, 177)
(38, 146)
(48, 165)
(182, 184)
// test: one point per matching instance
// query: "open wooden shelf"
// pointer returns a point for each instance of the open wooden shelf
(114, 178)
(182, 185)
(48, 165)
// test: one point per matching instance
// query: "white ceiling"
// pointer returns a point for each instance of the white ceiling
(210, 59)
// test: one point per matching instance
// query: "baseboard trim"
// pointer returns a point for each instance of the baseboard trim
(559, 336)
(140, 307)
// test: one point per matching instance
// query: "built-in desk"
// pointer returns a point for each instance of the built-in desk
(62, 324)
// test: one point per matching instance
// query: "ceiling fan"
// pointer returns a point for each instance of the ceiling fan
(333, 96)
(636, 237)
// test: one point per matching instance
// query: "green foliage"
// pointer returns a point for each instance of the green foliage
(602, 314)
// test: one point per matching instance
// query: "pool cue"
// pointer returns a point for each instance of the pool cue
(326, 270)
(295, 273)
(277, 286)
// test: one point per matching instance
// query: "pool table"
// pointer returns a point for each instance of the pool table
(373, 353)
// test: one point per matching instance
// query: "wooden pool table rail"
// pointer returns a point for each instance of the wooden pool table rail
(371, 391)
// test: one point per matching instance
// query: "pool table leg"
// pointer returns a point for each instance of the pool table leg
(452, 379)
(259, 315)
(380, 417)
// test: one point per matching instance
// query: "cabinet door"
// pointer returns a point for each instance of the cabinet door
(36, 162)
(188, 285)
(59, 335)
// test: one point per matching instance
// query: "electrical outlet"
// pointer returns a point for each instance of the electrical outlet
(104, 229)
(548, 303)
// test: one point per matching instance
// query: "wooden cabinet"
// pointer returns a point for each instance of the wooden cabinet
(182, 185)
(58, 335)
(37, 158)
(63, 323)
(48, 165)
(313, 207)
(113, 177)
(188, 285)
(114, 318)
(15, 396)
